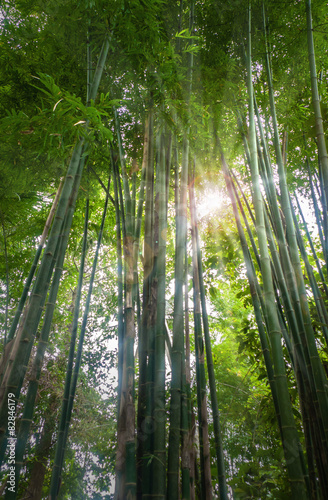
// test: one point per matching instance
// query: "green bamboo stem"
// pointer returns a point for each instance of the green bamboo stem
(178, 337)
(178, 319)
(290, 436)
(120, 320)
(129, 334)
(188, 480)
(185, 455)
(144, 420)
(159, 465)
(120, 227)
(142, 351)
(200, 361)
(7, 278)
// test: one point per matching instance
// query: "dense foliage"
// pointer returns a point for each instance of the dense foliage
(147, 105)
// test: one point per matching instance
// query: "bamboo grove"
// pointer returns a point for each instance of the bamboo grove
(167, 405)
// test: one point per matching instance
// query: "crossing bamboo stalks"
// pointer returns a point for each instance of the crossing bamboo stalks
(292, 303)
(72, 377)
(26, 420)
(256, 292)
(321, 309)
(295, 318)
(314, 198)
(316, 99)
(308, 339)
(312, 247)
(290, 436)
(322, 196)
(29, 279)
(24, 340)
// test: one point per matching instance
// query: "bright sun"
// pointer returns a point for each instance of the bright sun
(209, 202)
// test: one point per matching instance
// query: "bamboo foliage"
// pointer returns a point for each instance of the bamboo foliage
(159, 454)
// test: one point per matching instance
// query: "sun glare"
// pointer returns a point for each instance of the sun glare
(209, 202)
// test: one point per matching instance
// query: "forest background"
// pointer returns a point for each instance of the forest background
(174, 124)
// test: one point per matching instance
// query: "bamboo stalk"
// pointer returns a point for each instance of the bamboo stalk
(159, 465)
